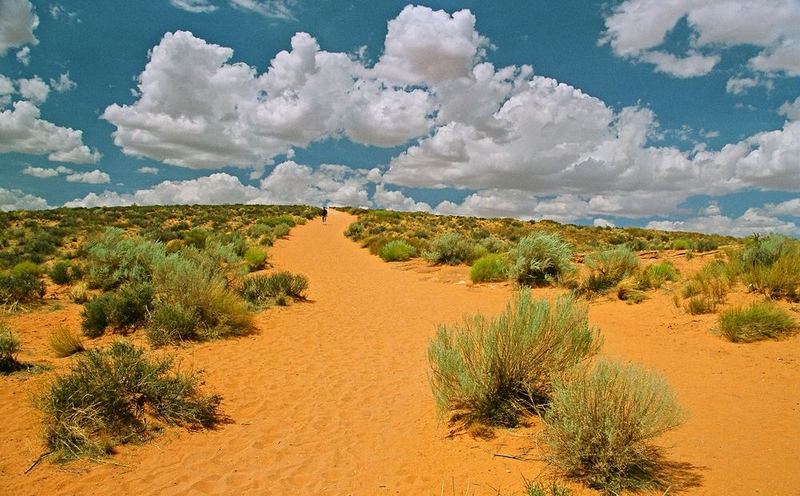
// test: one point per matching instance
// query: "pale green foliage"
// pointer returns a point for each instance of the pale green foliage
(396, 251)
(541, 258)
(600, 423)
(491, 370)
(762, 320)
(609, 267)
(453, 249)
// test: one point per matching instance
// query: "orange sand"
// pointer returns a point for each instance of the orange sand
(332, 396)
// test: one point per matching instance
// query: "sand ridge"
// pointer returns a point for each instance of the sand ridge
(331, 396)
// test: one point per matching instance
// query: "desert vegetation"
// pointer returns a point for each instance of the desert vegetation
(761, 320)
(119, 395)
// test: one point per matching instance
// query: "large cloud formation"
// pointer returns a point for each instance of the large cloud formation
(638, 28)
(17, 24)
(525, 145)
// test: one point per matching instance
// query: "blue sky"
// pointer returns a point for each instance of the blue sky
(674, 114)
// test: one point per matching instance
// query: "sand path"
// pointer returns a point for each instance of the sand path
(331, 397)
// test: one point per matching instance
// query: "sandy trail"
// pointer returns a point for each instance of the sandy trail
(331, 396)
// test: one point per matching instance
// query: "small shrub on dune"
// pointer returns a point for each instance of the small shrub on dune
(60, 273)
(781, 279)
(281, 231)
(700, 304)
(255, 258)
(609, 267)
(263, 289)
(23, 287)
(171, 324)
(492, 370)
(27, 267)
(397, 251)
(599, 425)
(94, 317)
(541, 258)
(128, 307)
(492, 267)
(10, 346)
(764, 320)
(79, 293)
(453, 249)
(654, 276)
(64, 343)
(117, 396)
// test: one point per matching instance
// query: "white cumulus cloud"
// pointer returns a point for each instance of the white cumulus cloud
(34, 89)
(637, 28)
(14, 199)
(94, 177)
(23, 131)
(194, 6)
(17, 24)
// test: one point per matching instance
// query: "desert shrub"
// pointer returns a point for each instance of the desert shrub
(60, 272)
(10, 346)
(354, 230)
(491, 370)
(453, 249)
(119, 395)
(599, 425)
(128, 307)
(266, 288)
(285, 220)
(255, 258)
(780, 279)
(64, 343)
(705, 244)
(541, 258)
(94, 317)
(172, 323)
(196, 237)
(23, 287)
(27, 268)
(492, 267)
(396, 251)
(493, 244)
(203, 290)
(281, 231)
(681, 244)
(552, 489)
(654, 276)
(763, 320)
(114, 258)
(79, 293)
(700, 304)
(609, 267)
(763, 250)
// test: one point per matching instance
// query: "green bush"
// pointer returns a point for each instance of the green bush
(681, 244)
(115, 258)
(491, 370)
(23, 287)
(700, 304)
(453, 249)
(654, 276)
(780, 279)
(255, 258)
(541, 258)
(267, 288)
(281, 231)
(79, 293)
(609, 267)
(94, 317)
(169, 324)
(26, 268)
(492, 267)
(128, 307)
(764, 320)
(119, 395)
(60, 273)
(64, 343)
(10, 346)
(599, 425)
(396, 251)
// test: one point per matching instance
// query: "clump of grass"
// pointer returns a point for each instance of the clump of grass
(397, 251)
(599, 425)
(64, 343)
(255, 258)
(761, 320)
(169, 324)
(700, 304)
(492, 370)
(94, 317)
(20, 287)
(116, 396)
(10, 346)
(491, 267)
(541, 258)
(769, 265)
(608, 268)
(79, 293)
(707, 288)
(268, 288)
(453, 249)
(656, 275)
(552, 489)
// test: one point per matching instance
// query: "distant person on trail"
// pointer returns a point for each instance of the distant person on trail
(324, 215)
